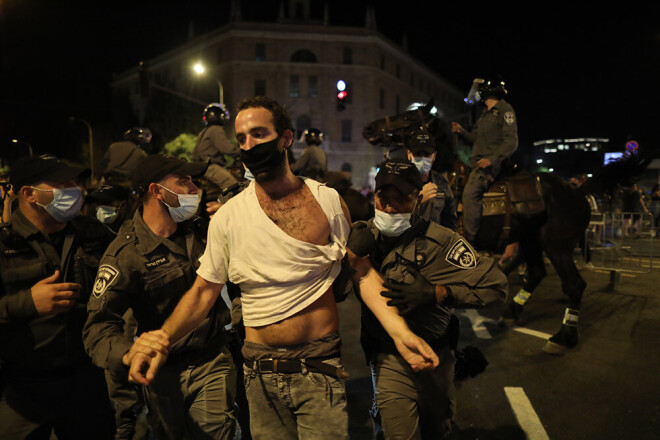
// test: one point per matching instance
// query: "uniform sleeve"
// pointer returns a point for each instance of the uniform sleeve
(490, 288)
(509, 142)
(17, 306)
(473, 280)
(302, 161)
(103, 333)
(214, 263)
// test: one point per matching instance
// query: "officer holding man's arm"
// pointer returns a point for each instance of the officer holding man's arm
(428, 270)
(147, 268)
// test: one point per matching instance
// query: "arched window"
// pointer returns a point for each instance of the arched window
(303, 56)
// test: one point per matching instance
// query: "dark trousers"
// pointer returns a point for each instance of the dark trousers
(74, 405)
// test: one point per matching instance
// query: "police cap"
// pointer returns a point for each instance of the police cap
(153, 168)
(108, 194)
(421, 142)
(401, 173)
(29, 170)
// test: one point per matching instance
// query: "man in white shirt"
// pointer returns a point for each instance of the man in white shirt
(282, 240)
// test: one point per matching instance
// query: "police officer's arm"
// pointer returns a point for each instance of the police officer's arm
(302, 161)
(46, 297)
(103, 333)
(411, 347)
(150, 349)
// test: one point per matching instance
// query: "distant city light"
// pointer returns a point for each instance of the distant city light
(341, 85)
(539, 160)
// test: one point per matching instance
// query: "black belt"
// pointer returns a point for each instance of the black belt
(297, 366)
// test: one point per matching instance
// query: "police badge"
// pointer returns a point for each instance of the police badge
(461, 255)
(106, 276)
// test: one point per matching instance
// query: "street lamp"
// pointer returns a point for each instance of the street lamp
(199, 69)
(91, 144)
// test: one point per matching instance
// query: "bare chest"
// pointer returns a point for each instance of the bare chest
(299, 215)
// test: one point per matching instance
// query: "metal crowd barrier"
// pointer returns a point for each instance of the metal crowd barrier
(620, 243)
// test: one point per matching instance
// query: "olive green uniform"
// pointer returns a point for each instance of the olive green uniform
(149, 274)
(421, 405)
(49, 381)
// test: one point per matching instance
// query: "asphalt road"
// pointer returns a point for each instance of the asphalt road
(605, 388)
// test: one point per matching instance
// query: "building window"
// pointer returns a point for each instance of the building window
(313, 87)
(294, 86)
(260, 87)
(260, 52)
(347, 56)
(346, 128)
(303, 56)
(381, 98)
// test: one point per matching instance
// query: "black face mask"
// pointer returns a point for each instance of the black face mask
(264, 158)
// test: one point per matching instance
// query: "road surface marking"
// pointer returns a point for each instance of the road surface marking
(527, 418)
(477, 322)
(529, 331)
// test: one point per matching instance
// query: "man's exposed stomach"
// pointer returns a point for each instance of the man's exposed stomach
(313, 322)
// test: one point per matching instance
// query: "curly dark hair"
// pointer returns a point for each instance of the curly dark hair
(281, 119)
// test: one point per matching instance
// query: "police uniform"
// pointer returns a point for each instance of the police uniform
(212, 146)
(49, 381)
(408, 404)
(312, 163)
(122, 159)
(149, 274)
(495, 137)
(423, 402)
(442, 208)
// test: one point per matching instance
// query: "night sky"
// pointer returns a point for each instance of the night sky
(570, 73)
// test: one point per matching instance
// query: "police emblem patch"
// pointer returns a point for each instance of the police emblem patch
(509, 118)
(461, 255)
(105, 277)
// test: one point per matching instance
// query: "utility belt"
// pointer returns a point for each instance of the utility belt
(286, 366)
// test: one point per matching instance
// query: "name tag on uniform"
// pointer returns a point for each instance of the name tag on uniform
(157, 262)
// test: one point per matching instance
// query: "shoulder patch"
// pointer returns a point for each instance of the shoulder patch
(105, 277)
(509, 118)
(461, 255)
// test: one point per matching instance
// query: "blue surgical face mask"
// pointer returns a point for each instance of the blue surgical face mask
(188, 205)
(391, 225)
(66, 203)
(106, 214)
(423, 164)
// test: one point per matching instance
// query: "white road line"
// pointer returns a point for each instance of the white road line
(527, 418)
(477, 322)
(529, 331)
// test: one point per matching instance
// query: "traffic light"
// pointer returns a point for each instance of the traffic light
(342, 95)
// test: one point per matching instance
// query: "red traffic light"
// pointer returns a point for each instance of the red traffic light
(341, 95)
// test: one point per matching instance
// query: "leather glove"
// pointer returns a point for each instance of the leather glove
(361, 240)
(408, 297)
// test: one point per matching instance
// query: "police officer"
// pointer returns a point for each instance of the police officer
(48, 259)
(313, 162)
(147, 268)
(123, 157)
(110, 204)
(214, 146)
(438, 203)
(428, 270)
(494, 139)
